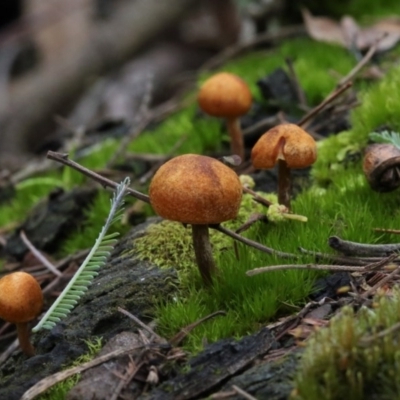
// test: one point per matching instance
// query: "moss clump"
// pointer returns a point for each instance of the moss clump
(343, 152)
(356, 357)
(60, 390)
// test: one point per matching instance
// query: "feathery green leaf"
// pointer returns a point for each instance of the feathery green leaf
(80, 282)
(386, 137)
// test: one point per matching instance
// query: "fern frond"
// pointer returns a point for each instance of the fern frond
(386, 137)
(97, 257)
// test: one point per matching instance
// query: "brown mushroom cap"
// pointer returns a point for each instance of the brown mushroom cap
(21, 297)
(195, 189)
(225, 95)
(286, 142)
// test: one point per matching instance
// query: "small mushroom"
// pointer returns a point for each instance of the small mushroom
(290, 147)
(200, 191)
(21, 300)
(381, 167)
(227, 96)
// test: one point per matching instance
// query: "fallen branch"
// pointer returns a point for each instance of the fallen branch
(350, 248)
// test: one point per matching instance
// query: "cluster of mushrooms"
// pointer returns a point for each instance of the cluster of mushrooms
(202, 191)
(191, 189)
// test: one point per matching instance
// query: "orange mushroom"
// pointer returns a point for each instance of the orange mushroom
(21, 300)
(227, 96)
(200, 191)
(289, 146)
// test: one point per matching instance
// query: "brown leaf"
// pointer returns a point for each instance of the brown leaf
(348, 34)
(323, 29)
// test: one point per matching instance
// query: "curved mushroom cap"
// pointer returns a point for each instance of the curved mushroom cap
(225, 95)
(287, 142)
(21, 298)
(195, 189)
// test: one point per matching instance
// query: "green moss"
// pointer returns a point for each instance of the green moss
(354, 358)
(60, 390)
(250, 302)
(379, 108)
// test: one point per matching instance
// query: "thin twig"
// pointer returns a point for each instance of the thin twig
(265, 124)
(140, 323)
(316, 110)
(382, 282)
(51, 380)
(301, 97)
(38, 255)
(63, 159)
(126, 379)
(257, 197)
(367, 340)
(252, 243)
(177, 339)
(341, 259)
(394, 231)
(243, 393)
(364, 61)
(381, 263)
(271, 268)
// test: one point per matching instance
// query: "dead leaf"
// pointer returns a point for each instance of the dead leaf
(323, 29)
(348, 34)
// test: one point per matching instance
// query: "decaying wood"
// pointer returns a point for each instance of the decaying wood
(214, 366)
(35, 98)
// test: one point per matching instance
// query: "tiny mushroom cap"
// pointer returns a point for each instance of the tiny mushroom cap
(195, 189)
(21, 298)
(287, 142)
(225, 95)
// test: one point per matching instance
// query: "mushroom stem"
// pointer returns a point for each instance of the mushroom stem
(203, 252)
(23, 338)
(235, 133)
(283, 183)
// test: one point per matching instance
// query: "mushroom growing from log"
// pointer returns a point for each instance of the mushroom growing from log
(290, 147)
(21, 301)
(227, 96)
(200, 191)
(381, 167)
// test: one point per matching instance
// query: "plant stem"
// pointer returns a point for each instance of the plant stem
(235, 133)
(283, 183)
(203, 252)
(23, 338)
